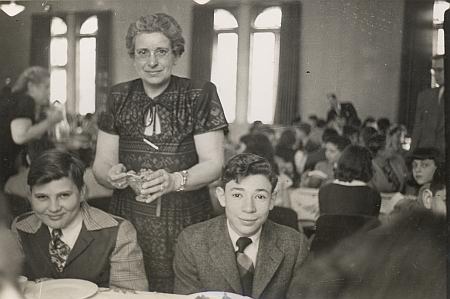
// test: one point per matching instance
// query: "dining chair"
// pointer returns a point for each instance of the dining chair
(331, 229)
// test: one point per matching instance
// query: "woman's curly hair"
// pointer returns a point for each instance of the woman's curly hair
(159, 22)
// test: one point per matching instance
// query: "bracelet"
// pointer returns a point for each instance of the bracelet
(181, 180)
(184, 176)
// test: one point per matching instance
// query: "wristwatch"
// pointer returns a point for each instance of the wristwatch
(184, 176)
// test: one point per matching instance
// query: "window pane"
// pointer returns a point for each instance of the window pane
(58, 51)
(223, 19)
(438, 11)
(263, 66)
(58, 26)
(223, 73)
(87, 75)
(58, 84)
(440, 49)
(269, 18)
(90, 26)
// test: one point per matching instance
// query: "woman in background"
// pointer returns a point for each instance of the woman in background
(173, 128)
(284, 155)
(324, 170)
(390, 171)
(33, 116)
(349, 193)
(30, 116)
(423, 162)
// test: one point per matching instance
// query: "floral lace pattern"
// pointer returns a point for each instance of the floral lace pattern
(185, 108)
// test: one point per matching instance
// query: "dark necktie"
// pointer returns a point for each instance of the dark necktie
(59, 251)
(245, 266)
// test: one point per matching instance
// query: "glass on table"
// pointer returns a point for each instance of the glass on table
(135, 180)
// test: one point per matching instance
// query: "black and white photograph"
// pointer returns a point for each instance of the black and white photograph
(224, 149)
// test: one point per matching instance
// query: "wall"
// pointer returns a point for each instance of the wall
(351, 48)
(15, 32)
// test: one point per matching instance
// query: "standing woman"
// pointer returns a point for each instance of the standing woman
(32, 116)
(167, 124)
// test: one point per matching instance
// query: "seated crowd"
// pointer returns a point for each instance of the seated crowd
(162, 164)
(247, 249)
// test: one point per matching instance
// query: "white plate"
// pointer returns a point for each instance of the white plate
(61, 288)
(218, 295)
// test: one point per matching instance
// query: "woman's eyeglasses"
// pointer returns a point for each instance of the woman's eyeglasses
(144, 53)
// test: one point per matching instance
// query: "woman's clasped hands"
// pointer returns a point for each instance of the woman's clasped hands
(147, 184)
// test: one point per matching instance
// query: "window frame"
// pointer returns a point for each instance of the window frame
(276, 31)
(255, 11)
(40, 42)
(214, 51)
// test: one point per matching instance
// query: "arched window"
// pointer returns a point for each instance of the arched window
(264, 61)
(58, 26)
(72, 72)
(270, 18)
(58, 60)
(224, 61)
(224, 20)
(90, 26)
(87, 65)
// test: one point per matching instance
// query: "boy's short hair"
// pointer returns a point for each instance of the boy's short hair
(56, 164)
(246, 164)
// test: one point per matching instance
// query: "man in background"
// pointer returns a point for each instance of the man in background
(429, 124)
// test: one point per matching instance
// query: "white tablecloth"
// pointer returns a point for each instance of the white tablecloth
(105, 294)
(305, 201)
(139, 295)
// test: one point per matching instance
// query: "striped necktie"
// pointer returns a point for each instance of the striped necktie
(59, 251)
(245, 266)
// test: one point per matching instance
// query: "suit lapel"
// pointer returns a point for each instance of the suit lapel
(223, 256)
(41, 241)
(268, 260)
(84, 239)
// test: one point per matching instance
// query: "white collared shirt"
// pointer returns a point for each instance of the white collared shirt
(252, 249)
(71, 232)
(352, 183)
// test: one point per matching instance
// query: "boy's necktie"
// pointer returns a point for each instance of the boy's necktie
(59, 251)
(245, 266)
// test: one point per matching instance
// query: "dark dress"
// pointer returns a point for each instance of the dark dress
(25, 107)
(186, 108)
(8, 149)
(339, 199)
